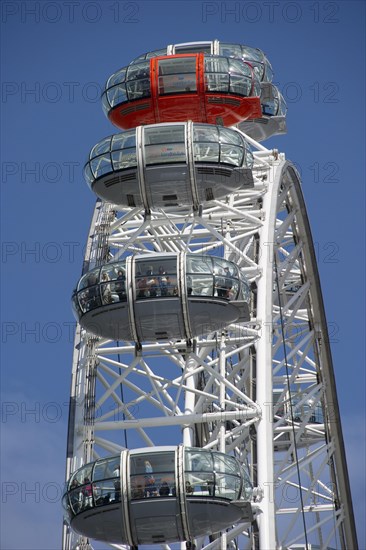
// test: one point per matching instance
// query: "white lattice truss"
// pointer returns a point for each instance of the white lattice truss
(263, 390)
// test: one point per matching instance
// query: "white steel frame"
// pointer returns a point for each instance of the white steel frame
(217, 391)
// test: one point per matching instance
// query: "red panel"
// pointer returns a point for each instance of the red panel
(133, 113)
(231, 109)
(226, 110)
(179, 108)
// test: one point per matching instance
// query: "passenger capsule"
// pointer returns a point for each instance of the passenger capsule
(273, 119)
(175, 164)
(293, 410)
(198, 87)
(159, 296)
(158, 495)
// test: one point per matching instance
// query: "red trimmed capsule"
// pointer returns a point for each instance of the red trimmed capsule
(197, 87)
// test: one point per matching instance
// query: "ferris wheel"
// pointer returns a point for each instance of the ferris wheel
(203, 407)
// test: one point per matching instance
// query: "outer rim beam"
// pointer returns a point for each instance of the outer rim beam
(334, 423)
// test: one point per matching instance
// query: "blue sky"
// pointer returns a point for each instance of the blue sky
(55, 59)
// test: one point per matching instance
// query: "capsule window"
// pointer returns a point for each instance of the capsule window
(117, 95)
(76, 500)
(252, 54)
(101, 147)
(89, 279)
(214, 64)
(106, 492)
(229, 136)
(231, 155)
(137, 89)
(239, 67)
(112, 270)
(199, 474)
(268, 71)
(240, 85)
(116, 78)
(207, 146)
(153, 476)
(124, 150)
(258, 69)
(124, 141)
(138, 71)
(163, 154)
(101, 165)
(108, 468)
(177, 75)
(90, 299)
(225, 463)
(81, 476)
(204, 133)
(199, 264)
(230, 50)
(123, 159)
(156, 278)
(227, 486)
(198, 460)
(201, 285)
(164, 134)
(206, 152)
(165, 144)
(199, 483)
(217, 83)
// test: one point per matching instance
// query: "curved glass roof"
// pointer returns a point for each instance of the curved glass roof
(254, 56)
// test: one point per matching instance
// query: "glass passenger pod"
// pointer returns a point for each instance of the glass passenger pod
(291, 410)
(298, 407)
(273, 120)
(154, 297)
(220, 157)
(197, 87)
(254, 56)
(162, 494)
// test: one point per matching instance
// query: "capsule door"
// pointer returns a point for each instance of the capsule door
(172, 77)
(157, 304)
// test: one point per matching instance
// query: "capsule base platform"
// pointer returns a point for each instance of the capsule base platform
(157, 520)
